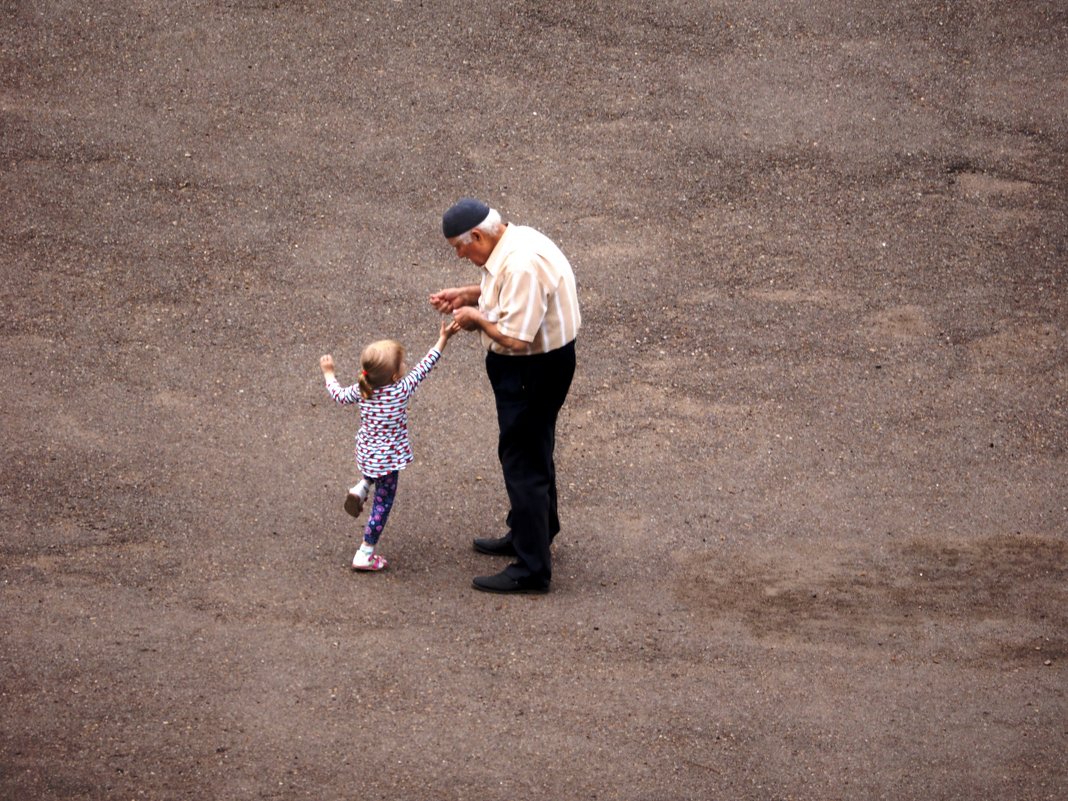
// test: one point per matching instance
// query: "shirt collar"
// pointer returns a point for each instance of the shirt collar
(500, 251)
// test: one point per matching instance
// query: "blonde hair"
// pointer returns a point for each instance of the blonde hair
(379, 362)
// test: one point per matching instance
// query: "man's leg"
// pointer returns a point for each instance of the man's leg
(554, 383)
(529, 391)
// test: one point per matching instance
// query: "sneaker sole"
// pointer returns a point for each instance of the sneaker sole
(353, 505)
(369, 569)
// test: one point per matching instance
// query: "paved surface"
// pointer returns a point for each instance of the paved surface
(812, 467)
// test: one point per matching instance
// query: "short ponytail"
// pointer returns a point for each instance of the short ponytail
(366, 390)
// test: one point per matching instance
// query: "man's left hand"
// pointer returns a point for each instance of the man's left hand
(468, 318)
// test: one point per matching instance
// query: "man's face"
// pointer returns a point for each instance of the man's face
(476, 247)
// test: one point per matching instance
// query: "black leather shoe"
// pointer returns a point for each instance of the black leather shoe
(502, 546)
(502, 582)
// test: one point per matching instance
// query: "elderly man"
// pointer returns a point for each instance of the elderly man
(526, 310)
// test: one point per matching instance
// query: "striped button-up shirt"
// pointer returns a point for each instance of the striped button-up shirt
(382, 443)
(528, 290)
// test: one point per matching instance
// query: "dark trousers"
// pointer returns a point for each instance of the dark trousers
(529, 392)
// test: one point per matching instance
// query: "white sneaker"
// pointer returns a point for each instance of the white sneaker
(368, 561)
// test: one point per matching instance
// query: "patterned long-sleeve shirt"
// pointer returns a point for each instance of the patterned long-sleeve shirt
(382, 443)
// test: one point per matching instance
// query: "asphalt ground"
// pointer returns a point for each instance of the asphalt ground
(811, 468)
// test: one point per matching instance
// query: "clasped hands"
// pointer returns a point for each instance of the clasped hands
(462, 303)
(458, 302)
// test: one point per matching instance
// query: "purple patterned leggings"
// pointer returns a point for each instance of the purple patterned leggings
(381, 503)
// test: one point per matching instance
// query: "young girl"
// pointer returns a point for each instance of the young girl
(382, 445)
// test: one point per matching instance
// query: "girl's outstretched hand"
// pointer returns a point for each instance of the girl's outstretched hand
(326, 364)
(449, 327)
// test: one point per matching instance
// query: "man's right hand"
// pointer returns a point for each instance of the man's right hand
(443, 301)
(449, 300)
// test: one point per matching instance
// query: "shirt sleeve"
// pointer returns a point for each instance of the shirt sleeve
(346, 396)
(421, 370)
(522, 303)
